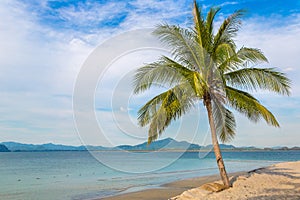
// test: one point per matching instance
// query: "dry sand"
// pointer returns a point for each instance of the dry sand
(277, 182)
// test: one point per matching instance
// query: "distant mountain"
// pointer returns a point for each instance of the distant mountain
(282, 148)
(295, 148)
(277, 147)
(97, 148)
(248, 148)
(222, 146)
(165, 144)
(14, 146)
(3, 148)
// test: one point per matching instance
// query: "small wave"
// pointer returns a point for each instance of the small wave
(157, 174)
(252, 161)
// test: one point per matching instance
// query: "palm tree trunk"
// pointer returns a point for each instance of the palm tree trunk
(216, 146)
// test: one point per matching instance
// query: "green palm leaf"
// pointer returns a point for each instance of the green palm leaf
(224, 120)
(228, 29)
(164, 73)
(229, 60)
(259, 78)
(248, 105)
(165, 107)
(182, 44)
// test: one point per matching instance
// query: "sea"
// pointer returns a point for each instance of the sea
(83, 175)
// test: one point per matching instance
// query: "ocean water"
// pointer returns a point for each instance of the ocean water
(80, 176)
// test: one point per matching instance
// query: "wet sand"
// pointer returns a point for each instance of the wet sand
(168, 190)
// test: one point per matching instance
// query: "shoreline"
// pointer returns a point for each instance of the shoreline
(168, 190)
(281, 181)
(278, 181)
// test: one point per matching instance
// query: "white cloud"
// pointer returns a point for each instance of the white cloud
(36, 67)
(33, 58)
(151, 13)
(39, 65)
(228, 3)
(289, 69)
(91, 14)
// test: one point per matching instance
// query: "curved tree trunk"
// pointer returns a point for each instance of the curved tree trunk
(215, 144)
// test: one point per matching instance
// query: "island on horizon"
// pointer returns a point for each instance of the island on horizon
(167, 144)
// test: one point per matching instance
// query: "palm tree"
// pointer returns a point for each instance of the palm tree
(207, 66)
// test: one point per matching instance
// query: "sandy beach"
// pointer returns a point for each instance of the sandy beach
(168, 190)
(280, 181)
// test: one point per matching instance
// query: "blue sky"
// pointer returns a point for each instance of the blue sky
(44, 45)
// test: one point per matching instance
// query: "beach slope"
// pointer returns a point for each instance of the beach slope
(280, 181)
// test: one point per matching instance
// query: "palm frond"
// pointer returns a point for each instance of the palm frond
(165, 107)
(252, 55)
(229, 60)
(182, 43)
(249, 106)
(224, 121)
(209, 24)
(259, 78)
(225, 57)
(228, 132)
(210, 18)
(199, 24)
(228, 29)
(165, 72)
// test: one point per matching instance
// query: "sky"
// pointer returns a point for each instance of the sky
(46, 46)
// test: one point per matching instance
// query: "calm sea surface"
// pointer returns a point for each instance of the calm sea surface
(78, 175)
